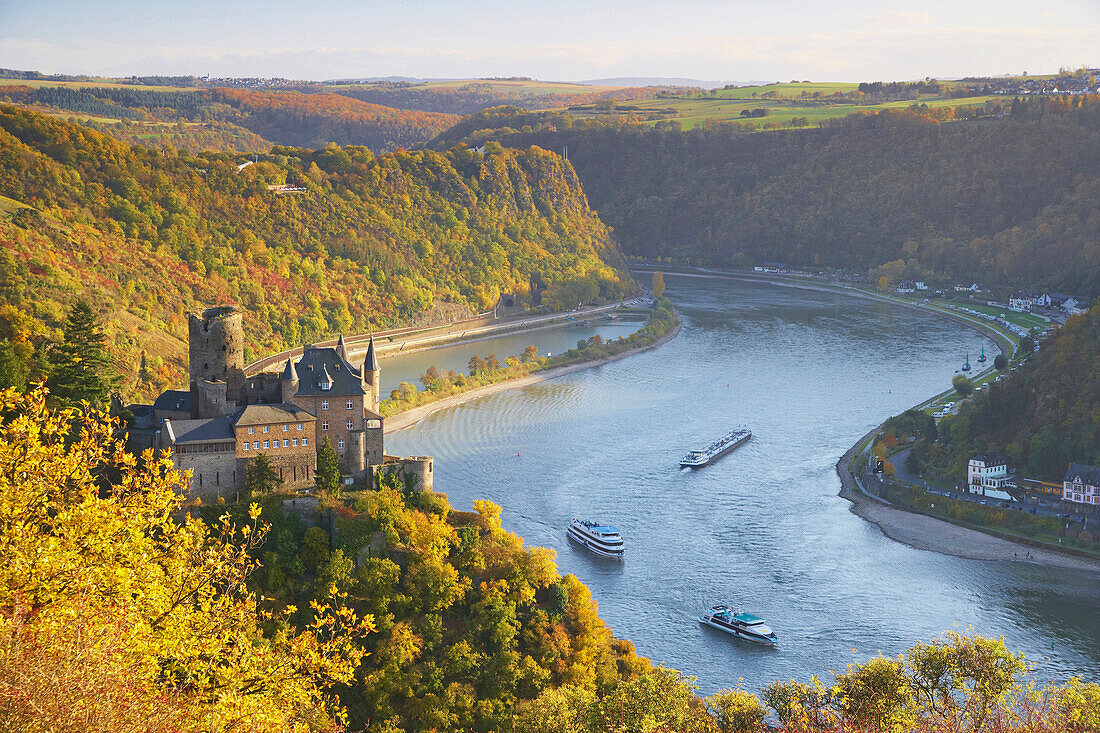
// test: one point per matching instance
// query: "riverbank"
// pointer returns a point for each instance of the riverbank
(924, 532)
(408, 418)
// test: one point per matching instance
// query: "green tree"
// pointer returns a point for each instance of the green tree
(658, 284)
(962, 384)
(80, 369)
(13, 370)
(737, 711)
(327, 476)
(1000, 362)
(430, 378)
(260, 477)
(314, 552)
(1027, 345)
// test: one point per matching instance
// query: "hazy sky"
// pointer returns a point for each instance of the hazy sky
(853, 40)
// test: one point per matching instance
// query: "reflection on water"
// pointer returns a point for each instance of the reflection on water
(762, 528)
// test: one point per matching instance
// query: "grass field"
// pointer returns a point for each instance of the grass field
(695, 111)
(1020, 319)
(10, 206)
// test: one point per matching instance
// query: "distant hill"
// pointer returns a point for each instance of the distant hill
(1006, 196)
(308, 117)
(358, 241)
(659, 81)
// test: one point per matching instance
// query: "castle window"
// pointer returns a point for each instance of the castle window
(374, 423)
(350, 424)
(324, 425)
(252, 431)
(349, 404)
(286, 443)
(305, 441)
(340, 444)
(286, 428)
(295, 442)
(267, 444)
(256, 445)
(299, 426)
(324, 404)
(246, 445)
(267, 428)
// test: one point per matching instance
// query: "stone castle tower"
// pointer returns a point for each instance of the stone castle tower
(216, 361)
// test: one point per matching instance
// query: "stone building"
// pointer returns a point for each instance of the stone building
(232, 418)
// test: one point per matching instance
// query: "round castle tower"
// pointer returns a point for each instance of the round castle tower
(216, 350)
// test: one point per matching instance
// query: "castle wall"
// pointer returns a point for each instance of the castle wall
(215, 473)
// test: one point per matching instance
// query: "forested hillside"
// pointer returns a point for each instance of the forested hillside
(283, 117)
(1007, 199)
(360, 241)
(1042, 417)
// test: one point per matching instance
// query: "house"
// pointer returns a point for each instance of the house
(968, 288)
(1025, 300)
(1081, 484)
(907, 286)
(988, 471)
(774, 267)
(921, 285)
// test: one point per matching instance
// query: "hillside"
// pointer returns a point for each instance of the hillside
(1042, 417)
(310, 118)
(1009, 199)
(361, 241)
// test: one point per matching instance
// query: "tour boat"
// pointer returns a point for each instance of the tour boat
(718, 448)
(602, 539)
(741, 624)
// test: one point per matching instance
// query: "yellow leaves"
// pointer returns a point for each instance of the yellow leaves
(170, 595)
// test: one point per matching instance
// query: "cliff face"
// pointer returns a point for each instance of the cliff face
(308, 243)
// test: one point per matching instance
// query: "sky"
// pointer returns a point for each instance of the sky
(562, 40)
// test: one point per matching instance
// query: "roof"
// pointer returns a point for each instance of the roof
(315, 361)
(263, 414)
(1089, 474)
(749, 618)
(200, 431)
(289, 373)
(371, 362)
(176, 400)
(993, 458)
(341, 347)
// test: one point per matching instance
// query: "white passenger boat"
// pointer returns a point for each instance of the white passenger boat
(745, 625)
(720, 447)
(602, 539)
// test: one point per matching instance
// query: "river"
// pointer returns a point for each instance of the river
(763, 528)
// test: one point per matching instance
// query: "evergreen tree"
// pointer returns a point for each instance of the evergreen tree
(80, 365)
(13, 370)
(327, 476)
(261, 477)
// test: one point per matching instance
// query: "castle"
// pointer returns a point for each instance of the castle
(226, 418)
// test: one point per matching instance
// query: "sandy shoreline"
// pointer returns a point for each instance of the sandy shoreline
(408, 418)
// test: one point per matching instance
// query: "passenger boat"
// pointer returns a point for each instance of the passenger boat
(602, 539)
(744, 625)
(718, 448)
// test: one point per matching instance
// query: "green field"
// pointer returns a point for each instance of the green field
(1020, 319)
(90, 83)
(694, 112)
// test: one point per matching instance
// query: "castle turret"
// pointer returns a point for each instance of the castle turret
(341, 348)
(372, 377)
(288, 382)
(216, 353)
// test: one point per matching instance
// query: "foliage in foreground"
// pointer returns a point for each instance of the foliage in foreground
(116, 616)
(957, 683)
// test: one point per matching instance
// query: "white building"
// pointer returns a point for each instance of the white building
(988, 471)
(1081, 484)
